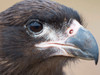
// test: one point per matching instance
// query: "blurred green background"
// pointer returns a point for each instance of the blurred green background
(90, 10)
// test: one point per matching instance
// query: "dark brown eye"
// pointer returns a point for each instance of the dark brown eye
(35, 26)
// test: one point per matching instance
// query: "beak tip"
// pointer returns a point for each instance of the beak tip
(96, 59)
(96, 56)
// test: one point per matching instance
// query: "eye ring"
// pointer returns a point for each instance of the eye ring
(34, 26)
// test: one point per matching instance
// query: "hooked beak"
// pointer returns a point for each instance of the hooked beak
(79, 43)
(85, 43)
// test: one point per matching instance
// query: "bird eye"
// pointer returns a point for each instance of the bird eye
(35, 26)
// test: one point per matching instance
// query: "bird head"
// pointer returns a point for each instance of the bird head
(36, 30)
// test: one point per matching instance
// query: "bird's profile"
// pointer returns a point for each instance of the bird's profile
(38, 37)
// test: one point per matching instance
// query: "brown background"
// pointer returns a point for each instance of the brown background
(90, 10)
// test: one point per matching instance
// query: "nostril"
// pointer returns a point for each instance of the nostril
(71, 31)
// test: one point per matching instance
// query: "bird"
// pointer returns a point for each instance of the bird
(39, 37)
